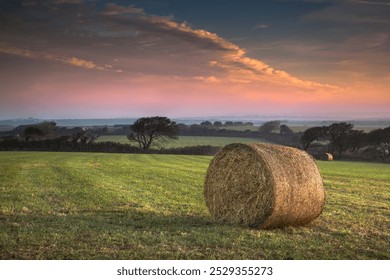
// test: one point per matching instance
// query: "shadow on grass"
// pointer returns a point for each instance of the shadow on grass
(135, 234)
(111, 235)
(105, 220)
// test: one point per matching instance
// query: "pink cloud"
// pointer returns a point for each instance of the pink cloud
(229, 56)
(74, 61)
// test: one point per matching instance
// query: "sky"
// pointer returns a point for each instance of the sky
(193, 58)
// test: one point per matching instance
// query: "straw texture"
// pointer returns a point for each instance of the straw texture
(264, 186)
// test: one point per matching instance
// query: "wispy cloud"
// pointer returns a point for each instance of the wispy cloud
(74, 61)
(380, 3)
(77, 62)
(354, 12)
(209, 79)
(229, 56)
(171, 65)
(133, 41)
(66, 1)
(260, 26)
(113, 9)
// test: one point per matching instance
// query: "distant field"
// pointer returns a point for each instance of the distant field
(240, 127)
(302, 128)
(6, 127)
(255, 128)
(186, 141)
(296, 128)
(134, 206)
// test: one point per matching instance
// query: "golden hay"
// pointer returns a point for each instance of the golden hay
(325, 156)
(264, 186)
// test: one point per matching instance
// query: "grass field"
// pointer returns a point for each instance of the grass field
(296, 128)
(184, 141)
(134, 206)
(240, 127)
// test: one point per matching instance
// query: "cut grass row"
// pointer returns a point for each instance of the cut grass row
(134, 206)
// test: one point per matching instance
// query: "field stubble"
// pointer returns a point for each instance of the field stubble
(134, 206)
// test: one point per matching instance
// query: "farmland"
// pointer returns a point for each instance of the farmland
(135, 206)
(184, 141)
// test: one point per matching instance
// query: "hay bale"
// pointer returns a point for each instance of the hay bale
(264, 186)
(325, 156)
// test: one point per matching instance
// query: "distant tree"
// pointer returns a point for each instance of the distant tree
(380, 140)
(48, 129)
(228, 123)
(76, 134)
(89, 136)
(206, 123)
(217, 123)
(357, 140)
(195, 127)
(83, 135)
(285, 130)
(248, 123)
(269, 126)
(31, 131)
(338, 136)
(317, 133)
(238, 123)
(147, 130)
(43, 130)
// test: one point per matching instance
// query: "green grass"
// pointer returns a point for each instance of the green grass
(240, 127)
(184, 141)
(134, 206)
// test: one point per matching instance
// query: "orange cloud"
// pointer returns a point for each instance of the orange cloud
(82, 63)
(228, 56)
(74, 61)
(209, 79)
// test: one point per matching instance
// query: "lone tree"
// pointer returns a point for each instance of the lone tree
(31, 131)
(269, 126)
(83, 135)
(206, 123)
(380, 140)
(43, 130)
(338, 136)
(147, 130)
(317, 133)
(217, 123)
(285, 130)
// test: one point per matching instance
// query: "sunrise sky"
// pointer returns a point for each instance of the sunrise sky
(102, 59)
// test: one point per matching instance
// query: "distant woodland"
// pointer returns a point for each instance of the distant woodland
(339, 139)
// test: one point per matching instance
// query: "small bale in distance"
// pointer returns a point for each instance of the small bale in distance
(264, 186)
(325, 156)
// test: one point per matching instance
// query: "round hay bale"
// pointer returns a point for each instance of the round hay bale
(264, 186)
(325, 156)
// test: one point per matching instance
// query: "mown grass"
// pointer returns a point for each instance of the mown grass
(184, 141)
(134, 206)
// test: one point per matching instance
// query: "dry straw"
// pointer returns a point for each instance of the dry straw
(264, 186)
(325, 156)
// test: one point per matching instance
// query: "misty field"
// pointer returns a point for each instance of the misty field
(134, 206)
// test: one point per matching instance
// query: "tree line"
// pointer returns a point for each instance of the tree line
(341, 137)
(337, 138)
(47, 136)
